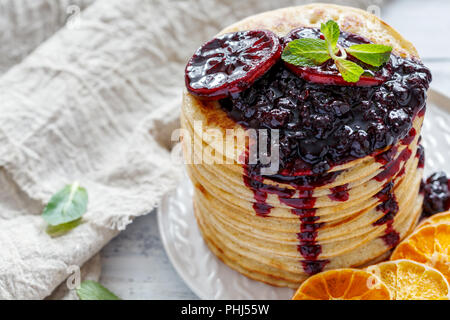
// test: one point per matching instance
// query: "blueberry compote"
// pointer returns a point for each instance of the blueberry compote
(322, 126)
(436, 191)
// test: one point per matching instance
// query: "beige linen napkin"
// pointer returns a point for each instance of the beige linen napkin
(24, 24)
(96, 104)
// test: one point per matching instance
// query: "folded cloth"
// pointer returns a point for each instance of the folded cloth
(82, 107)
(25, 24)
(91, 270)
(95, 103)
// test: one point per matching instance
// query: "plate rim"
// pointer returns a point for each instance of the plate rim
(189, 282)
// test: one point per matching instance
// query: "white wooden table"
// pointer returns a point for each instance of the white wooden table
(135, 265)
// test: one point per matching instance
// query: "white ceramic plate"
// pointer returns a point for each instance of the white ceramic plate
(209, 278)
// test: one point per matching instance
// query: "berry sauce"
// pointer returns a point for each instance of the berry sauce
(339, 193)
(389, 206)
(322, 126)
(393, 167)
(301, 206)
(421, 156)
(436, 191)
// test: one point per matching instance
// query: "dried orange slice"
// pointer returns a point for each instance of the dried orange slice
(430, 245)
(409, 280)
(343, 284)
(443, 217)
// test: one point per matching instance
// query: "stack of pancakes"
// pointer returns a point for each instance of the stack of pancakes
(281, 233)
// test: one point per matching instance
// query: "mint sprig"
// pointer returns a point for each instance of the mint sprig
(331, 33)
(350, 71)
(374, 54)
(310, 51)
(91, 290)
(65, 209)
(307, 52)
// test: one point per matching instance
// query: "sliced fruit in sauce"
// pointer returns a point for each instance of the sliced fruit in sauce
(327, 73)
(231, 63)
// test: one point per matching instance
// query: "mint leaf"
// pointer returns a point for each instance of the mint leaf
(296, 59)
(306, 52)
(91, 290)
(350, 71)
(331, 32)
(373, 54)
(67, 205)
(59, 230)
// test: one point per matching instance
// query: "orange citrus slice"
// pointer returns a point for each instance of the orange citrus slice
(409, 280)
(443, 217)
(430, 245)
(343, 284)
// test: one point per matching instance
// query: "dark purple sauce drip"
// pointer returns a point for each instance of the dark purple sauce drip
(301, 207)
(309, 248)
(436, 190)
(305, 214)
(422, 111)
(261, 191)
(393, 168)
(297, 203)
(260, 205)
(410, 137)
(387, 156)
(391, 237)
(308, 232)
(389, 207)
(307, 182)
(421, 155)
(314, 267)
(303, 204)
(402, 171)
(339, 193)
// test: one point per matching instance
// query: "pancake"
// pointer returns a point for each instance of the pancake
(283, 228)
(333, 247)
(360, 223)
(323, 199)
(278, 276)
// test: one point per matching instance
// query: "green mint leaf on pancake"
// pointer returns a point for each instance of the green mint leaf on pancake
(331, 33)
(311, 52)
(350, 71)
(67, 205)
(91, 290)
(306, 52)
(374, 54)
(296, 59)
